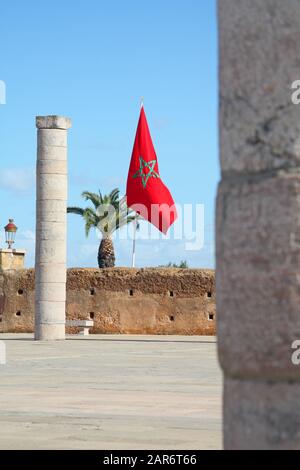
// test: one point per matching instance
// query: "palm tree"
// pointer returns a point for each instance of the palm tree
(108, 213)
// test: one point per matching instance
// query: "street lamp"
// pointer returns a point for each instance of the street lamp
(10, 233)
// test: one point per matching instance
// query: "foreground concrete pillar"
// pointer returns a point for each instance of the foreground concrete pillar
(50, 262)
(258, 223)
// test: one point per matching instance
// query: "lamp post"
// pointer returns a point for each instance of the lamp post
(10, 233)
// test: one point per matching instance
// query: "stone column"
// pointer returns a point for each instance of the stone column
(258, 223)
(50, 262)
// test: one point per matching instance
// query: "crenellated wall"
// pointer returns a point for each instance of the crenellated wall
(120, 300)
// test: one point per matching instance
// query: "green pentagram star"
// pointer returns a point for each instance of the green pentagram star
(145, 176)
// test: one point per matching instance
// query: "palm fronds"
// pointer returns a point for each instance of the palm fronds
(109, 213)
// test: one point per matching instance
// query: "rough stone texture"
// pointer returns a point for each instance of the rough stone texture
(51, 251)
(47, 290)
(51, 144)
(51, 215)
(47, 148)
(53, 122)
(52, 186)
(259, 59)
(51, 226)
(52, 166)
(53, 273)
(12, 259)
(266, 415)
(258, 276)
(52, 230)
(258, 222)
(17, 300)
(163, 301)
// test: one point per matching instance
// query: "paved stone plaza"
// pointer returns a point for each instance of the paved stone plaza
(110, 392)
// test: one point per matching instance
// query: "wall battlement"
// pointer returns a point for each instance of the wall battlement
(120, 300)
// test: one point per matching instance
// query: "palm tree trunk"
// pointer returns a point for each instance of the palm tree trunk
(106, 254)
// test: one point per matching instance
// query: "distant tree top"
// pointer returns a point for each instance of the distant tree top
(182, 265)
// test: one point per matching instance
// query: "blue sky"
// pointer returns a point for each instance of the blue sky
(92, 61)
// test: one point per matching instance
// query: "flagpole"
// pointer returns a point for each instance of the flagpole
(135, 220)
(133, 242)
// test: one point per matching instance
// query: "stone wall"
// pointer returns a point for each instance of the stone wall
(120, 300)
(258, 223)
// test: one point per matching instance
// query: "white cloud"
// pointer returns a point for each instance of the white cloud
(83, 254)
(28, 235)
(17, 179)
(94, 183)
(88, 249)
(160, 123)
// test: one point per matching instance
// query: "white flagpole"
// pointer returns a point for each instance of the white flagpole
(133, 243)
(135, 220)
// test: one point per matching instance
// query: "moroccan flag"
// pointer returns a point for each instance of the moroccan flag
(146, 193)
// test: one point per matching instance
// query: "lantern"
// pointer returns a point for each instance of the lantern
(10, 233)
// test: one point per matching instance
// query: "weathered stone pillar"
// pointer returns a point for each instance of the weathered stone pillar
(258, 223)
(50, 262)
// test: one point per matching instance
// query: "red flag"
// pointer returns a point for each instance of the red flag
(146, 193)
